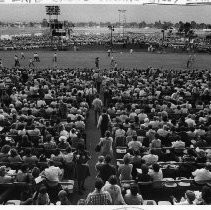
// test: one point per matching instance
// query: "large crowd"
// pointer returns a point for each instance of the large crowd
(154, 125)
(141, 40)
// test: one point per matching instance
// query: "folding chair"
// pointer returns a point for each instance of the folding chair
(120, 152)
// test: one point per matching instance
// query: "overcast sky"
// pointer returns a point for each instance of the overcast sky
(99, 13)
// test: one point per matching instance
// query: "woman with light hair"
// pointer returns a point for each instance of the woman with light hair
(106, 144)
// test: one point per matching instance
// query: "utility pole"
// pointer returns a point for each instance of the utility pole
(163, 36)
(111, 28)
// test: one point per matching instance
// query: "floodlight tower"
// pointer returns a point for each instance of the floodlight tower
(56, 27)
(53, 11)
(122, 20)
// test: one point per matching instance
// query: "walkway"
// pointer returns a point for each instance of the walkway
(93, 136)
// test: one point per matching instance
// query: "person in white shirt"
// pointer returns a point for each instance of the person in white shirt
(190, 121)
(97, 104)
(202, 175)
(120, 132)
(163, 131)
(40, 103)
(48, 95)
(178, 144)
(134, 144)
(150, 158)
(52, 174)
(79, 124)
(132, 114)
(64, 132)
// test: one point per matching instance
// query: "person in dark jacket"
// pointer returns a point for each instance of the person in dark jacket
(104, 122)
(107, 169)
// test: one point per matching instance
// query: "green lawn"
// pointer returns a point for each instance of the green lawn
(126, 60)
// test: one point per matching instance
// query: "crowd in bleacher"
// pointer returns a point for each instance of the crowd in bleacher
(155, 135)
(42, 123)
(142, 40)
(159, 122)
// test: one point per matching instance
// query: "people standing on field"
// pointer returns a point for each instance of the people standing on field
(17, 63)
(109, 52)
(22, 56)
(55, 57)
(36, 57)
(31, 62)
(1, 64)
(97, 61)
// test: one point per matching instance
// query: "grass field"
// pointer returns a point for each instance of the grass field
(125, 60)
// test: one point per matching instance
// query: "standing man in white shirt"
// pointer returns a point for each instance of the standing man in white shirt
(97, 105)
(53, 176)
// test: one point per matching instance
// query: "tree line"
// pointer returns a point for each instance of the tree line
(157, 24)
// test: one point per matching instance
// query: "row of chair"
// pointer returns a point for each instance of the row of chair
(162, 190)
(8, 189)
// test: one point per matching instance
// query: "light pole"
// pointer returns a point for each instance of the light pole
(122, 19)
(163, 35)
(119, 16)
(111, 28)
